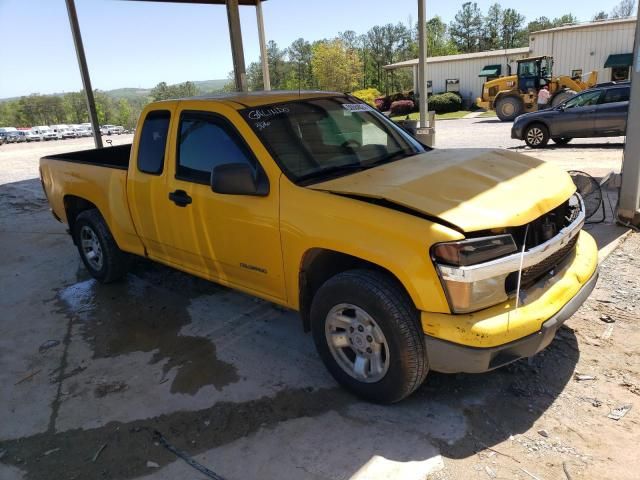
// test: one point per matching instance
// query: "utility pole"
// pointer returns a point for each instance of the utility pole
(629, 206)
(237, 51)
(266, 80)
(422, 61)
(84, 72)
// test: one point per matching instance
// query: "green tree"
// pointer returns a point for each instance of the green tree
(104, 108)
(162, 91)
(566, 19)
(626, 8)
(466, 28)
(512, 31)
(438, 40)
(601, 15)
(300, 75)
(75, 105)
(384, 45)
(492, 34)
(335, 67)
(124, 114)
(254, 76)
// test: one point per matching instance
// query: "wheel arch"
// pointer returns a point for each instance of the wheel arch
(74, 206)
(320, 264)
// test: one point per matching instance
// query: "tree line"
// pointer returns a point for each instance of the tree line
(68, 108)
(348, 62)
(351, 61)
(71, 108)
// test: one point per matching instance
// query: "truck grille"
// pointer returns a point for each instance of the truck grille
(532, 274)
(547, 226)
(540, 230)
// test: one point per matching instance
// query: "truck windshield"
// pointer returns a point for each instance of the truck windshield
(313, 140)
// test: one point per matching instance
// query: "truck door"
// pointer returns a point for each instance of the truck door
(578, 117)
(612, 112)
(234, 239)
(146, 180)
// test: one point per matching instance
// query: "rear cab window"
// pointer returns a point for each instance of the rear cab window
(153, 141)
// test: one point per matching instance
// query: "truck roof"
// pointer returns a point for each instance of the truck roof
(255, 99)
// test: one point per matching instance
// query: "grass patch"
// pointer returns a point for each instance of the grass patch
(442, 116)
(488, 114)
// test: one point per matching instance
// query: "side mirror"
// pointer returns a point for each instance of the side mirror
(239, 179)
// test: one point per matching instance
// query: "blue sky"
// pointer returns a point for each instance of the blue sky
(138, 44)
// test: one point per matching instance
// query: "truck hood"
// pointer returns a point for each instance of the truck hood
(470, 189)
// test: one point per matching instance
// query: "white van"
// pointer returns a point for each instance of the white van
(59, 130)
(46, 132)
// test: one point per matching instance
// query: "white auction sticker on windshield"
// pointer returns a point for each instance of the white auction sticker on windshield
(357, 107)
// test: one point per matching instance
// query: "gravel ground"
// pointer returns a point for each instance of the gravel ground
(574, 433)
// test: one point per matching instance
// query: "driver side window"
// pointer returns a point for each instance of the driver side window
(205, 141)
(584, 99)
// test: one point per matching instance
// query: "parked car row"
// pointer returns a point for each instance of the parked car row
(54, 132)
(597, 112)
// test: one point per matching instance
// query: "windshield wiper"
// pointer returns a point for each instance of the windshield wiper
(349, 167)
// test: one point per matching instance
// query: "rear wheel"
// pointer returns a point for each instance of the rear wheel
(561, 140)
(536, 135)
(508, 108)
(98, 250)
(368, 334)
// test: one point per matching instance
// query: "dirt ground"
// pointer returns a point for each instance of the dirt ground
(102, 382)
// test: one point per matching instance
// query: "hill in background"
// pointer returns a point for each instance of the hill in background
(204, 86)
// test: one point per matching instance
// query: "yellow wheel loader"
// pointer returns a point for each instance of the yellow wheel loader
(514, 95)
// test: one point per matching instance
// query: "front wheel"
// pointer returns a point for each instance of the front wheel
(508, 108)
(368, 334)
(536, 135)
(98, 249)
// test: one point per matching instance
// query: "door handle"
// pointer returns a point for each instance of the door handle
(180, 198)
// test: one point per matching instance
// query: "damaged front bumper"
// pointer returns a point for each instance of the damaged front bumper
(484, 340)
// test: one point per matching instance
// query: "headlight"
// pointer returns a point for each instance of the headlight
(467, 297)
(473, 251)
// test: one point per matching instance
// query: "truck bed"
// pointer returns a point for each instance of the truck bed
(110, 157)
(96, 177)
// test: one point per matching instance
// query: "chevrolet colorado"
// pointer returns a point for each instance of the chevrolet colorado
(400, 259)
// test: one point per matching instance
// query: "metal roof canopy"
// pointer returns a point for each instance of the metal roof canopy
(491, 71)
(237, 51)
(619, 60)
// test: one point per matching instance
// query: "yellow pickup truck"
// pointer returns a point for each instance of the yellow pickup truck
(400, 258)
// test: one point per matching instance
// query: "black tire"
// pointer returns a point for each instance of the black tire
(115, 262)
(381, 297)
(561, 140)
(536, 135)
(508, 108)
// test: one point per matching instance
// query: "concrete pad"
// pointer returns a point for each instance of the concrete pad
(331, 447)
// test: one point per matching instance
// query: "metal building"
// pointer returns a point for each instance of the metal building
(464, 73)
(605, 46)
